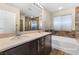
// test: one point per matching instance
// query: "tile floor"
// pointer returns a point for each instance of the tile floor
(57, 52)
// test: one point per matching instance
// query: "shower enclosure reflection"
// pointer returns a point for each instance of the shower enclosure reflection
(29, 23)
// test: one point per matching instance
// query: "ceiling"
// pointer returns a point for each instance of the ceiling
(52, 7)
(29, 9)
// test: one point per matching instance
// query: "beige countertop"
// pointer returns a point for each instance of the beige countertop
(10, 42)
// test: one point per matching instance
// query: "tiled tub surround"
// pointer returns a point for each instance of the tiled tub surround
(65, 44)
(77, 23)
(13, 41)
(70, 34)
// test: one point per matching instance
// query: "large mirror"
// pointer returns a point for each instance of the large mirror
(9, 17)
(30, 19)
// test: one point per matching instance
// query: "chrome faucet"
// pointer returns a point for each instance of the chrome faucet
(18, 33)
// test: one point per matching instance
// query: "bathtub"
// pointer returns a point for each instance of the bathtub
(68, 45)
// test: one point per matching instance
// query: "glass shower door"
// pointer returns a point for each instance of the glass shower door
(34, 25)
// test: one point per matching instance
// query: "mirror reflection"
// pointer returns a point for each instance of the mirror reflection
(7, 21)
(15, 17)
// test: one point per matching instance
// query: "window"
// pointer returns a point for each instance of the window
(7, 21)
(62, 23)
(57, 23)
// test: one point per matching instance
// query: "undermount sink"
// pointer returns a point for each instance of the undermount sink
(24, 36)
(18, 37)
(31, 34)
(15, 38)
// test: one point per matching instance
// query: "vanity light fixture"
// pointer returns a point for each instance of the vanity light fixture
(38, 5)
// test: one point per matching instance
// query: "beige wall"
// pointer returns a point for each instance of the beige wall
(65, 12)
(12, 9)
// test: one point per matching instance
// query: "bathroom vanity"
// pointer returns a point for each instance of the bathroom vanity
(26, 44)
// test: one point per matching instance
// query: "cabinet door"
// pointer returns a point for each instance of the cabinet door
(19, 50)
(41, 46)
(2, 53)
(47, 44)
(33, 47)
(29, 48)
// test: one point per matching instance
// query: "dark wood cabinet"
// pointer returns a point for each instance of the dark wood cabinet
(44, 45)
(41, 46)
(19, 50)
(47, 44)
(33, 47)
